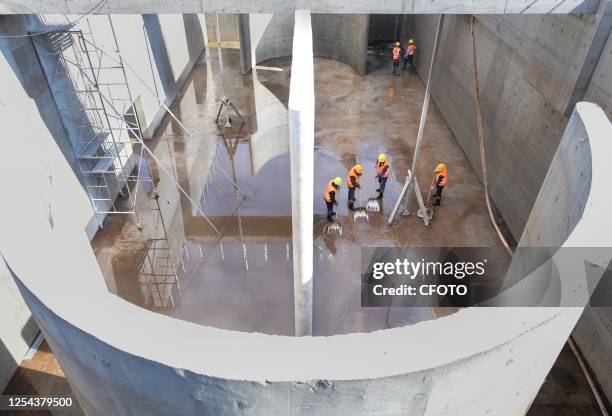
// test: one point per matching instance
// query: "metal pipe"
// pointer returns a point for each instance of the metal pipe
(423, 120)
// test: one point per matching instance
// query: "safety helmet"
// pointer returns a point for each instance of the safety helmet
(397, 44)
(441, 167)
(382, 157)
(359, 169)
(411, 41)
(337, 181)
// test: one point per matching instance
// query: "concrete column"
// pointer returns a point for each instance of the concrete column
(195, 36)
(245, 43)
(301, 146)
(160, 53)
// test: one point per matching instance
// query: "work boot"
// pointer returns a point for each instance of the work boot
(380, 195)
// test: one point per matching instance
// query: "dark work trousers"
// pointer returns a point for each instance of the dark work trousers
(351, 198)
(409, 59)
(438, 194)
(395, 65)
(330, 211)
(382, 181)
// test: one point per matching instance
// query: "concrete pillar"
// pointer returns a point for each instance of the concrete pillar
(301, 146)
(245, 43)
(160, 53)
(194, 35)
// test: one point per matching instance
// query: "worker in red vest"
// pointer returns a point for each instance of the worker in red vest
(396, 57)
(329, 196)
(383, 170)
(410, 52)
(439, 181)
(352, 181)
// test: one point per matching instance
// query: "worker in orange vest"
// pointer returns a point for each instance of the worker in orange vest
(396, 57)
(330, 194)
(383, 170)
(439, 181)
(352, 181)
(410, 52)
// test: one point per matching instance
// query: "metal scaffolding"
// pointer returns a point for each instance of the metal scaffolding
(157, 273)
(95, 102)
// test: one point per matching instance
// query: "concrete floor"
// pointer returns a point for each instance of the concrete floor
(243, 281)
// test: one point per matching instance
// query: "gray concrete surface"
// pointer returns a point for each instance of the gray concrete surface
(316, 6)
(229, 26)
(343, 37)
(599, 89)
(301, 149)
(160, 54)
(18, 331)
(338, 36)
(17, 327)
(528, 68)
(203, 369)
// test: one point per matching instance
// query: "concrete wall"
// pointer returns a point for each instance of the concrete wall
(343, 37)
(528, 68)
(22, 72)
(599, 89)
(316, 6)
(229, 25)
(473, 362)
(339, 36)
(17, 327)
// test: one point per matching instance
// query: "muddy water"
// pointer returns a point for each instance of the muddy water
(243, 279)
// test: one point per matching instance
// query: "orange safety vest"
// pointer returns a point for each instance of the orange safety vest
(354, 173)
(444, 175)
(380, 166)
(396, 53)
(328, 189)
(411, 49)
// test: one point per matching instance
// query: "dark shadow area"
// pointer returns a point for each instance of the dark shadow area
(41, 377)
(565, 391)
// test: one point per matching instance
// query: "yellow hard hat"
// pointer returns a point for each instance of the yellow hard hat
(382, 157)
(359, 169)
(441, 167)
(397, 44)
(337, 181)
(411, 41)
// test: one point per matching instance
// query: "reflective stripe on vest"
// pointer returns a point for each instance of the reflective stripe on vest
(411, 49)
(380, 166)
(354, 173)
(396, 53)
(329, 188)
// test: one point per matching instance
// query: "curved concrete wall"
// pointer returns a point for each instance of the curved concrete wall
(121, 359)
(337, 36)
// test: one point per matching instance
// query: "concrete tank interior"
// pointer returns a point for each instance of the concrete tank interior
(203, 280)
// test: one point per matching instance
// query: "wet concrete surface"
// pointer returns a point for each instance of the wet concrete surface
(240, 178)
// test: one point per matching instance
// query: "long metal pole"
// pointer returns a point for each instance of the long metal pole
(220, 54)
(423, 121)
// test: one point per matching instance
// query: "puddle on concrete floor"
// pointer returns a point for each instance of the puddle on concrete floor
(243, 280)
